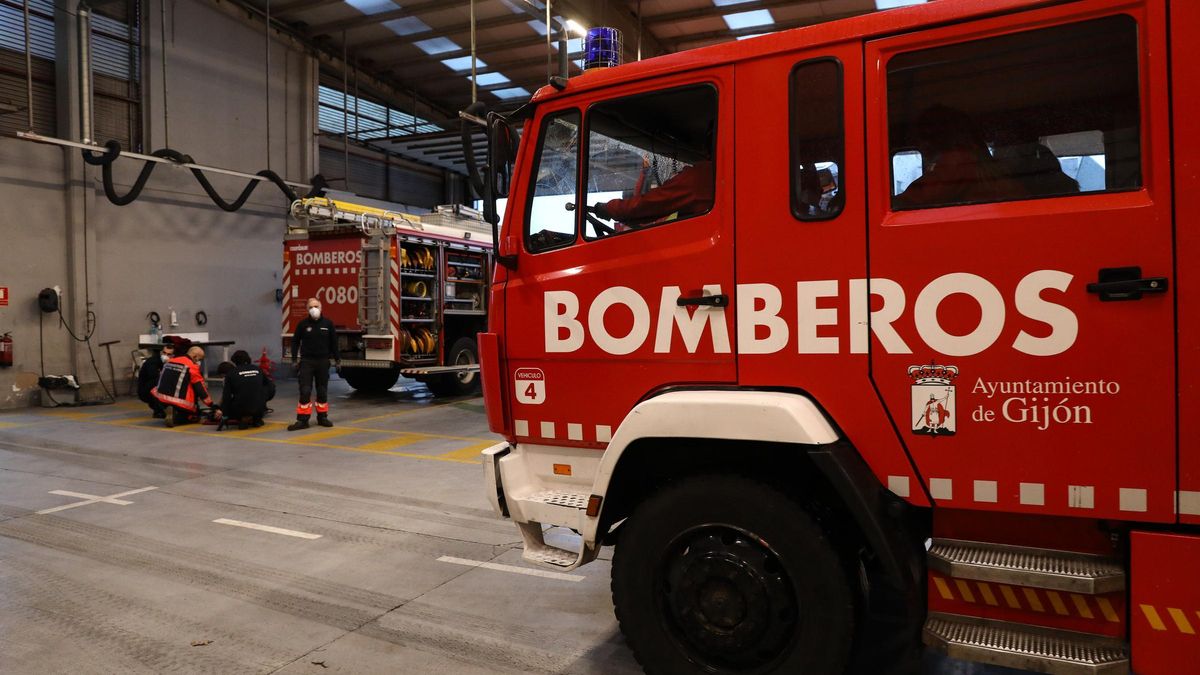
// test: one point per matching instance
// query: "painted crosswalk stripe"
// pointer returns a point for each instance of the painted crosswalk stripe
(267, 528)
(511, 568)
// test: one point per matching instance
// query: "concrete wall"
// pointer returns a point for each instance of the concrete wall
(172, 247)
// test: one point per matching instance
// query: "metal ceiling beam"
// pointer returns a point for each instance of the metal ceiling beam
(457, 29)
(701, 12)
(498, 47)
(404, 12)
(300, 6)
(755, 30)
(424, 68)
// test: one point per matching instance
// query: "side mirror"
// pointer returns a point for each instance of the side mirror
(507, 250)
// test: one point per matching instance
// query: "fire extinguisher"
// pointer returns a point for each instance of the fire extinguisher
(6, 351)
(264, 363)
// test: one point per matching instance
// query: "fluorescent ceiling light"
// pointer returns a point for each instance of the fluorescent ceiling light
(889, 4)
(488, 79)
(463, 63)
(758, 17)
(572, 24)
(512, 92)
(372, 6)
(727, 3)
(438, 45)
(409, 25)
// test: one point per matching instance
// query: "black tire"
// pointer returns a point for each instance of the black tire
(721, 574)
(464, 351)
(370, 380)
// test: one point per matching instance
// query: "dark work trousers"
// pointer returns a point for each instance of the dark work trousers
(310, 370)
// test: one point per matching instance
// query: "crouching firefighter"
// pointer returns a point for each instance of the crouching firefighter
(245, 394)
(181, 388)
(316, 339)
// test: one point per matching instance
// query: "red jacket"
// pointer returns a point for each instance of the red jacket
(688, 193)
(181, 384)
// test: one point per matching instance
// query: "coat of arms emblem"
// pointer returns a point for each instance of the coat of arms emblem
(933, 399)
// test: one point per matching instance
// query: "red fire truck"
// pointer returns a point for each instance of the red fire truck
(866, 334)
(407, 293)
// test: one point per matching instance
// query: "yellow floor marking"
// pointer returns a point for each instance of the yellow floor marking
(1107, 610)
(471, 452)
(964, 590)
(986, 591)
(1059, 607)
(409, 411)
(200, 431)
(1181, 621)
(943, 588)
(266, 427)
(388, 443)
(1035, 603)
(1152, 616)
(1082, 606)
(1010, 597)
(307, 436)
(9, 425)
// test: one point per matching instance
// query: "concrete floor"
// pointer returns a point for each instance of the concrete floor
(148, 582)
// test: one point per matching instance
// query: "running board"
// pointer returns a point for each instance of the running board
(1020, 566)
(1025, 647)
(561, 507)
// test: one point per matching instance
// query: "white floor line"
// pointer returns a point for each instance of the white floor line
(511, 568)
(93, 499)
(267, 528)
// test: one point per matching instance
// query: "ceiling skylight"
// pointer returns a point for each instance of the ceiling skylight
(372, 6)
(488, 79)
(758, 17)
(438, 45)
(463, 64)
(512, 92)
(889, 4)
(409, 25)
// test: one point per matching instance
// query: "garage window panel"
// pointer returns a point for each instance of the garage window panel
(12, 66)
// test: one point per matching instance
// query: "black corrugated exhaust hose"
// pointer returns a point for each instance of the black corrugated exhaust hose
(477, 109)
(112, 150)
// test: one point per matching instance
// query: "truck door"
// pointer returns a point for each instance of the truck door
(606, 306)
(1020, 257)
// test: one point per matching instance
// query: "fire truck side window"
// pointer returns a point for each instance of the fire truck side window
(550, 217)
(650, 160)
(818, 145)
(1049, 112)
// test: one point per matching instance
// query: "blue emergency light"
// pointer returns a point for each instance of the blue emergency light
(602, 48)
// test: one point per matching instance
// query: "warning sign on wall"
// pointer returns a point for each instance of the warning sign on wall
(3, 296)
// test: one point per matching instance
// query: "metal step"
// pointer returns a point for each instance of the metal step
(1019, 566)
(569, 499)
(1025, 647)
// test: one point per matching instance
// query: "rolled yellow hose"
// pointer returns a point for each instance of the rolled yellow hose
(416, 289)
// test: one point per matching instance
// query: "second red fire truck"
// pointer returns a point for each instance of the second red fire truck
(407, 293)
(863, 335)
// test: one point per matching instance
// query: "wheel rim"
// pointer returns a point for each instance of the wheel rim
(465, 358)
(727, 599)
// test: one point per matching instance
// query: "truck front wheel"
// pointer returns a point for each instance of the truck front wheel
(370, 380)
(721, 574)
(463, 352)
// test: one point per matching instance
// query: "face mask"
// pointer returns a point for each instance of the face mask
(314, 312)
(166, 357)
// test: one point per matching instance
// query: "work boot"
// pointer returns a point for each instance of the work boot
(298, 425)
(169, 418)
(323, 420)
(222, 424)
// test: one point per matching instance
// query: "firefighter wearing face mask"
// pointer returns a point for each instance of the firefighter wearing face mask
(316, 340)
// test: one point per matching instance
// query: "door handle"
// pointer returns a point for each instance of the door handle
(720, 300)
(1125, 283)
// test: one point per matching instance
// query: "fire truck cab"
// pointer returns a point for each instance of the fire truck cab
(867, 334)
